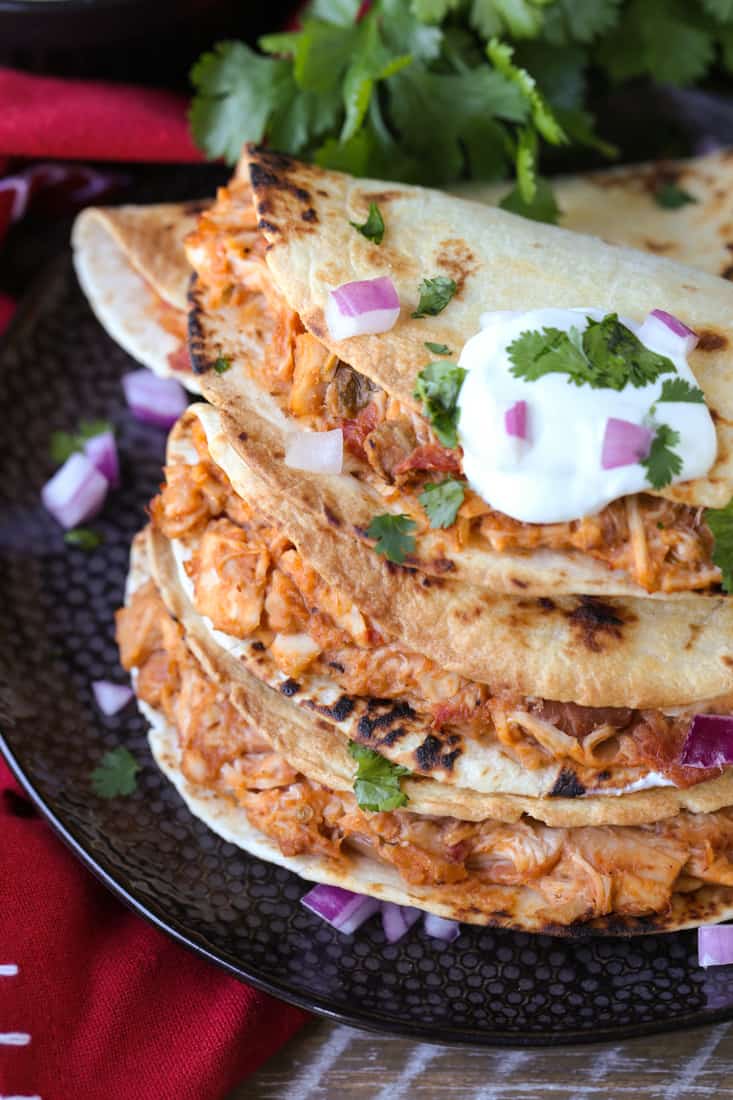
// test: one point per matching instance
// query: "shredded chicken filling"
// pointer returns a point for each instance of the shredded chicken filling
(559, 875)
(664, 546)
(250, 580)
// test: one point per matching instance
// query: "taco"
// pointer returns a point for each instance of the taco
(281, 239)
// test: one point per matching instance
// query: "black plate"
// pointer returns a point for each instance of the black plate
(489, 987)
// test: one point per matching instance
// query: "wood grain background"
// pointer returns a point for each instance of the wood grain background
(328, 1061)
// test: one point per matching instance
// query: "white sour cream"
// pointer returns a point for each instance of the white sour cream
(556, 475)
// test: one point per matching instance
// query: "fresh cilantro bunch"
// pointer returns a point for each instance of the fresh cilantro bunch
(436, 90)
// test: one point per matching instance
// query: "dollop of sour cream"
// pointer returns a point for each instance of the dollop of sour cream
(555, 473)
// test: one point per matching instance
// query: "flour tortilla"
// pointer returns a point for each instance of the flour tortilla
(498, 261)
(619, 206)
(611, 652)
(519, 909)
(316, 744)
(124, 256)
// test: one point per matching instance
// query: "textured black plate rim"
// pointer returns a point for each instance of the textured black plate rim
(367, 1020)
(320, 1006)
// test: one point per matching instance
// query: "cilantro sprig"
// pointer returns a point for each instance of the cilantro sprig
(607, 355)
(394, 536)
(679, 389)
(441, 501)
(115, 774)
(434, 296)
(438, 349)
(84, 538)
(377, 782)
(720, 522)
(222, 365)
(662, 464)
(438, 386)
(670, 196)
(373, 227)
(64, 444)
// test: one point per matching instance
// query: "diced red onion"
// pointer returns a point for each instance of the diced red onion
(318, 452)
(342, 909)
(101, 450)
(397, 920)
(624, 443)
(76, 492)
(111, 697)
(154, 400)
(362, 308)
(515, 420)
(709, 742)
(715, 945)
(442, 929)
(664, 327)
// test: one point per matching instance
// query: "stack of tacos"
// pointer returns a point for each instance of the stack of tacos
(491, 720)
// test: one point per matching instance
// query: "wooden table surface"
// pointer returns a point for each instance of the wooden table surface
(328, 1061)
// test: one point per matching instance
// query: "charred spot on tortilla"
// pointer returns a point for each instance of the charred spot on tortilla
(393, 736)
(197, 342)
(518, 583)
(567, 785)
(456, 259)
(695, 629)
(391, 714)
(545, 603)
(289, 688)
(243, 437)
(258, 647)
(592, 618)
(336, 666)
(267, 226)
(196, 206)
(331, 517)
(658, 247)
(603, 776)
(270, 170)
(727, 272)
(430, 755)
(309, 215)
(379, 197)
(709, 340)
(727, 660)
(338, 711)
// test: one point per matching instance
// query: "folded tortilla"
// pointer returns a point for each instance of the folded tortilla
(249, 309)
(563, 881)
(132, 266)
(596, 652)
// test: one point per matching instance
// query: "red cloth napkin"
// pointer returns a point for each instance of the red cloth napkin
(42, 116)
(103, 1006)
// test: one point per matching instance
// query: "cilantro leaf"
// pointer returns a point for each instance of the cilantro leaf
(720, 522)
(438, 349)
(663, 39)
(519, 18)
(671, 197)
(236, 92)
(679, 389)
(222, 365)
(662, 463)
(116, 773)
(377, 781)
(441, 501)
(438, 386)
(542, 208)
(84, 538)
(620, 357)
(373, 227)
(64, 444)
(434, 296)
(606, 356)
(393, 536)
